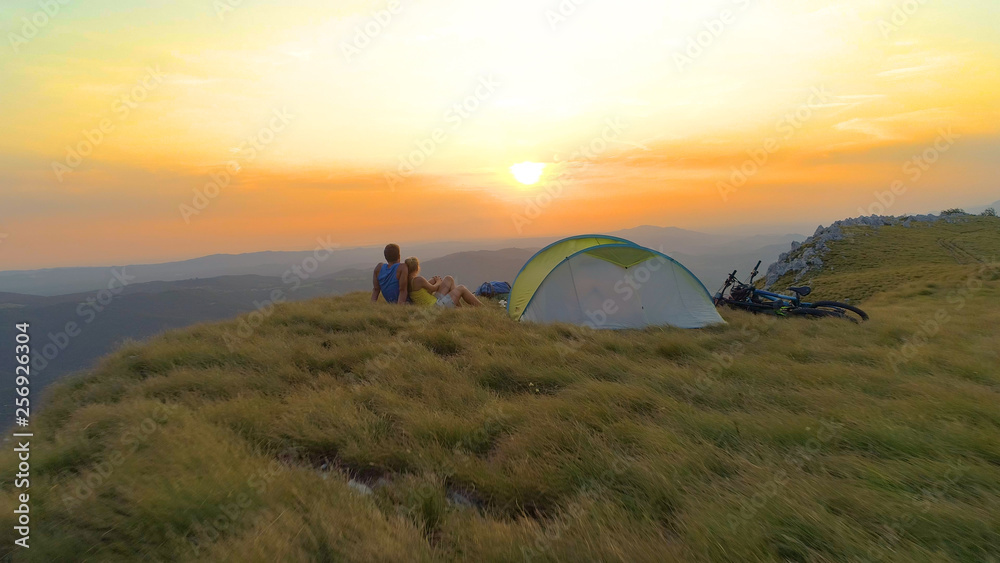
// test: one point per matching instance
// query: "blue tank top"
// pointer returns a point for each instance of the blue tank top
(388, 282)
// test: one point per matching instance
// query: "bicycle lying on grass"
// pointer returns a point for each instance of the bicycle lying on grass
(743, 295)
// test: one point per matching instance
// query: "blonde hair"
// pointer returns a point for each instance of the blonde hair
(412, 267)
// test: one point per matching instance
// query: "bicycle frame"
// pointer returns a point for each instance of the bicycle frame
(796, 300)
(756, 294)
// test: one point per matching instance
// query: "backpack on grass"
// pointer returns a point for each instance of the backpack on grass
(493, 289)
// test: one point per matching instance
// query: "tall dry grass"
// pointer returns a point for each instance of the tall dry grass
(481, 439)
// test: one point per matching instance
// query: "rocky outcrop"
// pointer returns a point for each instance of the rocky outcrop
(807, 256)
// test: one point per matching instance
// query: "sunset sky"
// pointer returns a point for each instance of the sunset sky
(146, 131)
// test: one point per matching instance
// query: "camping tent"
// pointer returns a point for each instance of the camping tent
(608, 282)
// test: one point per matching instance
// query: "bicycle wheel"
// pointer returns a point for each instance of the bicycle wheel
(812, 313)
(842, 308)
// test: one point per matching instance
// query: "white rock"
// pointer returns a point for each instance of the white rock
(359, 487)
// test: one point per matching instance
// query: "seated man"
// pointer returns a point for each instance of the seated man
(390, 277)
(436, 291)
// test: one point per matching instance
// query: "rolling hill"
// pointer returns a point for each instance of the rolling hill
(143, 309)
(334, 429)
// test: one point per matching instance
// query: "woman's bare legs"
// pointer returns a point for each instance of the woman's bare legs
(447, 285)
(462, 293)
(470, 297)
(458, 293)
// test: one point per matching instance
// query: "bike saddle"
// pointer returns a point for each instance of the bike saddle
(801, 291)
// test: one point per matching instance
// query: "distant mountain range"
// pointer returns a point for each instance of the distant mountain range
(59, 281)
(62, 281)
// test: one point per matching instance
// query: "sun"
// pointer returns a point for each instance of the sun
(528, 173)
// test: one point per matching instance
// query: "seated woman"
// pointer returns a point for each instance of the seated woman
(437, 291)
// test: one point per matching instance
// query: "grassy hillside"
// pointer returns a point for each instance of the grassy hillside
(871, 261)
(140, 311)
(339, 430)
